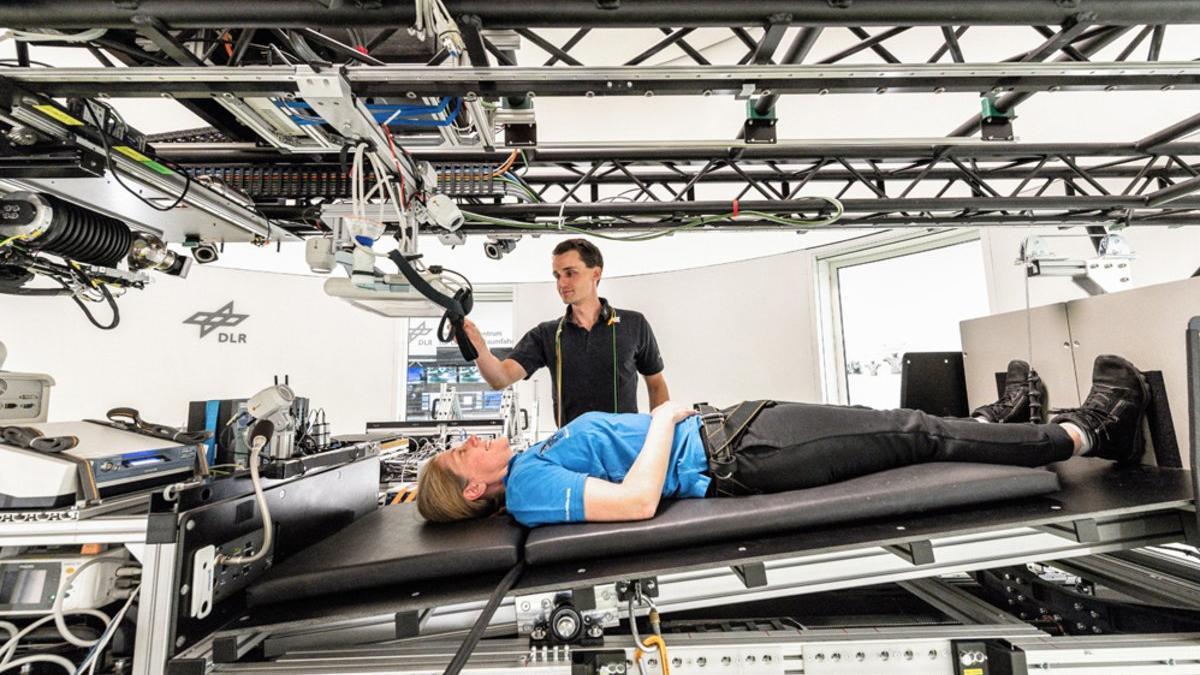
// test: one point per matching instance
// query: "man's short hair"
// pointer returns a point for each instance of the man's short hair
(588, 251)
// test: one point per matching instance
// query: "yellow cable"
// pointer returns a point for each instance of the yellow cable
(13, 238)
(506, 165)
(656, 642)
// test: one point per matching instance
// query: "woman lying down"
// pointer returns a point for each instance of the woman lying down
(616, 467)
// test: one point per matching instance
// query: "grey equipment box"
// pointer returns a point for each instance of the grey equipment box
(24, 397)
(105, 463)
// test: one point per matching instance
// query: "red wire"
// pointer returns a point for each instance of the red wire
(735, 208)
(396, 161)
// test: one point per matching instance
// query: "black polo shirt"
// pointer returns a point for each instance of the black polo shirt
(587, 360)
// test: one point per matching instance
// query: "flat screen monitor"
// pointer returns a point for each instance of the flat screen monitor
(440, 374)
(469, 374)
(492, 400)
(416, 374)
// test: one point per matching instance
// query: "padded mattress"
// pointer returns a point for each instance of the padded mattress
(395, 546)
(904, 491)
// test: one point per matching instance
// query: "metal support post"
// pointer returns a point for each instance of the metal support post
(156, 610)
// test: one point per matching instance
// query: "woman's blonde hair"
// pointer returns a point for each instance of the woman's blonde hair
(440, 496)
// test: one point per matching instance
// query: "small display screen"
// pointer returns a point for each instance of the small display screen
(469, 374)
(416, 374)
(492, 399)
(143, 461)
(439, 374)
(22, 587)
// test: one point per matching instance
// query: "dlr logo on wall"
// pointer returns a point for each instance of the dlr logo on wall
(421, 340)
(221, 319)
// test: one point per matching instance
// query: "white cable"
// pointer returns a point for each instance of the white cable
(261, 498)
(82, 36)
(12, 630)
(9, 648)
(60, 621)
(94, 656)
(39, 658)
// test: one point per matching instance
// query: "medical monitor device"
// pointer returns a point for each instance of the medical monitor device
(106, 462)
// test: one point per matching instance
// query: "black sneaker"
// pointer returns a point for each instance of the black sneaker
(1013, 407)
(1112, 414)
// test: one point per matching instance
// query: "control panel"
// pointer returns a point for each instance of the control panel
(24, 397)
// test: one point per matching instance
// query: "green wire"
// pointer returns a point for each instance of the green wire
(647, 236)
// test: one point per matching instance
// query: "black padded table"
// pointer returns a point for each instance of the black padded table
(392, 545)
(395, 546)
(907, 490)
(1087, 488)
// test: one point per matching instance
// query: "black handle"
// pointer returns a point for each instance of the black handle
(457, 307)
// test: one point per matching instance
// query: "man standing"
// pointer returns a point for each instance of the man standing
(594, 351)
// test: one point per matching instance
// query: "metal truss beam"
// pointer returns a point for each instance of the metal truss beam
(410, 81)
(581, 13)
(913, 150)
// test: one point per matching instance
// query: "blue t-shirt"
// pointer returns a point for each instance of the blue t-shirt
(545, 483)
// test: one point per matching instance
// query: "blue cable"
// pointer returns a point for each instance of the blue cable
(431, 123)
(384, 112)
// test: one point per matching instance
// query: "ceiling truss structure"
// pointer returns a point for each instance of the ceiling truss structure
(223, 59)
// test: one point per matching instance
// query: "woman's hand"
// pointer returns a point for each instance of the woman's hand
(677, 412)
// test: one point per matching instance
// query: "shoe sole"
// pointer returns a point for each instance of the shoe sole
(1139, 437)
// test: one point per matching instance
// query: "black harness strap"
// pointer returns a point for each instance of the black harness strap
(722, 428)
(476, 633)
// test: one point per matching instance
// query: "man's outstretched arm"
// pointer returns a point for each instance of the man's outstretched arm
(498, 374)
(637, 496)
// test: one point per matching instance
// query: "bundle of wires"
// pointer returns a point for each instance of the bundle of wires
(58, 616)
(433, 19)
(688, 224)
(384, 189)
(74, 279)
(385, 114)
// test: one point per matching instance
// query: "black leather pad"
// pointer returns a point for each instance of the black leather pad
(907, 490)
(392, 545)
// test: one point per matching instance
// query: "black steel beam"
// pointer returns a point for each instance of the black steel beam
(662, 44)
(556, 53)
(68, 14)
(340, 48)
(950, 35)
(869, 42)
(1171, 133)
(1104, 203)
(1072, 28)
(875, 45)
(158, 33)
(1007, 102)
(764, 53)
(1172, 193)
(783, 151)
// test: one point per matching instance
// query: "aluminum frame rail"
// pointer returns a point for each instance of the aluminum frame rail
(183, 82)
(905, 651)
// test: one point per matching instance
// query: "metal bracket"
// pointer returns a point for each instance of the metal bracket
(752, 575)
(918, 552)
(759, 127)
(634, 587)
(1108, 272)
(520, 135)
(233, 648)
(996, 124)
(597, 606)
(1084, 530)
